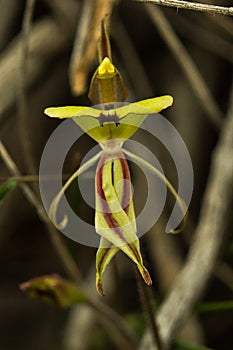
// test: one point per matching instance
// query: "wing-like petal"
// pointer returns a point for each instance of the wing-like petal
(119, 123)
(71, 112)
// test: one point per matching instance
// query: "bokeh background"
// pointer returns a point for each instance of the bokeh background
(60, 57)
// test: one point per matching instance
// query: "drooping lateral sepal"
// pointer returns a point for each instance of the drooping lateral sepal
(104, 255)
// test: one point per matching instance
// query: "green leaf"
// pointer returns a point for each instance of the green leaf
(7, 187)
(183, 345)
(215, 306)
(54, 290)
(136, 321)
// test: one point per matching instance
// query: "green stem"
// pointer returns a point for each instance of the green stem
(148, 306)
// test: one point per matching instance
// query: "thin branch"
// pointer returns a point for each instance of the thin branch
(167, 260)
(35, 178)
(224, 23)
(78, 62)
(63, 12)
(46, 43)
(135, 70)
(186, 5)
(148, 306)
(85, 45)
(11, 10)
(82, 319)
(205, 38)
(214, 218)
(186, 63)
(59, 246)
(23, 111)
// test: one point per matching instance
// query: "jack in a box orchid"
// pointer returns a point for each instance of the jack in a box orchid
(110, 125)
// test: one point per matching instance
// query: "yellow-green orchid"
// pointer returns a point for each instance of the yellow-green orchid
(110, 126)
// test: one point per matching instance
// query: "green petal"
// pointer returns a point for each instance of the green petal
(153, 105)
(71, 112)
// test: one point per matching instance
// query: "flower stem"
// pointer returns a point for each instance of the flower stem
(148, 306)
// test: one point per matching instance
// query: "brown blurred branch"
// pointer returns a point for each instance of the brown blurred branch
(203, 37)
(63, 12)
(186, 5)
(167, 261)
(135, 70)
(148, 306)
(11, 11)
(56, 240)
(225, 23)
(34, 178)
(23, 111)
(209, 234)
(46, 42)
(186, 63)
(85, 45)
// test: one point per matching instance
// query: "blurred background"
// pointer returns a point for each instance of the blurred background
(49, 61)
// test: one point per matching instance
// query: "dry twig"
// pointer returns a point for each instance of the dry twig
(185, 61)
(23, 111)
(45, 43)
(62, 252)
(135, 70)
(168, 262)
(63, 12)
(85, 45)
(179, 4)
(205, 38)
(11, 11)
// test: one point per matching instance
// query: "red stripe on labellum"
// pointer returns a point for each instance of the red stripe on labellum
(105, 253)
(111, 221)
(126, 191)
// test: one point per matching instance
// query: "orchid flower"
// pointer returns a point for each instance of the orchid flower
(110, 126)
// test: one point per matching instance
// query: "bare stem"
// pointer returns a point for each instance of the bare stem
(179, 4)
(56, 240)
(34, 178)
(148, 305)
(23, 111)
(85, 43)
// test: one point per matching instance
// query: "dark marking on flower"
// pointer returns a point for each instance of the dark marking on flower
(109, 118)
